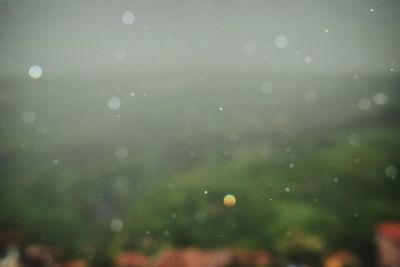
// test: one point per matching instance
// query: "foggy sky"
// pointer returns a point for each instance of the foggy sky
(82, 38)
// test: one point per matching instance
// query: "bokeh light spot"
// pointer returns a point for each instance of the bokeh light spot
(35, 72)
(229, 200)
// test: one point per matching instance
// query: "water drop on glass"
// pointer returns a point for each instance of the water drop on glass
(35, 72)
(114, 103)
(281, 41)
(29, 117)
(128, 17)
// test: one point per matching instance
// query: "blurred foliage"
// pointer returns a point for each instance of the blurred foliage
(307, 177)
(301, 248)
(331, 197)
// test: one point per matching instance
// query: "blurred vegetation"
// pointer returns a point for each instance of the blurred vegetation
(302, 189)
(326, 194)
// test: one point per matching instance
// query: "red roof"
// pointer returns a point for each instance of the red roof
(390, 231)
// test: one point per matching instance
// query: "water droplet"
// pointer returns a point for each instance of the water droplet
(310, 97)
(29, 117)
(391, 171)
(281, 41)
(121, 152)
(128, 17)
(380, 99)
(120, 54)
(116, 225)
(354, 139)
(35, 72)
(114, 103)
(267, 87)
(364, 104)
(42, 128)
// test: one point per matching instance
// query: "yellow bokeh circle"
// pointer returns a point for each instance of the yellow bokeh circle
(229, 200)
